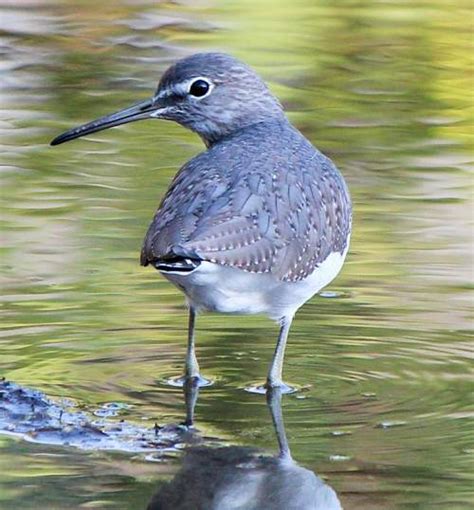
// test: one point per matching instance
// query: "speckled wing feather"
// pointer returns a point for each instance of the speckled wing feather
(263, 200)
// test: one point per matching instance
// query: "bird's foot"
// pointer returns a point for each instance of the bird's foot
(262, 389)
(194, 380)
(273, 385)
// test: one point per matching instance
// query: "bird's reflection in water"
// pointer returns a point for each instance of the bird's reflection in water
(242, 478)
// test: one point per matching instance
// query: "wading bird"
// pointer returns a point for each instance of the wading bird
(256, 224)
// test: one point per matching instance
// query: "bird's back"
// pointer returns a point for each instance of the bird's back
(263, 200)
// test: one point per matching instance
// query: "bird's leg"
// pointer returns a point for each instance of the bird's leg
(191, 367)
(274, 377)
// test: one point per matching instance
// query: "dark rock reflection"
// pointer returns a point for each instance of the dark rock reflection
(243, 478)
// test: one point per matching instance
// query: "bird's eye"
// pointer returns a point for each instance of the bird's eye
(199, 88)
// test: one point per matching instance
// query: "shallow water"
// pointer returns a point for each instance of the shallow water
(382, 356)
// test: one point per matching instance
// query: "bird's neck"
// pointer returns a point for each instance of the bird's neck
(213, 136)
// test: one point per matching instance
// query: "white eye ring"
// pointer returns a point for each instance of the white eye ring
(205, 81)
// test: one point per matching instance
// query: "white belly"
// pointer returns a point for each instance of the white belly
(217, 288)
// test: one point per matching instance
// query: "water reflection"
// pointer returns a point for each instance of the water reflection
(241, 477)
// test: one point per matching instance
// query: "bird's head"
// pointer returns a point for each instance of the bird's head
(212, 94)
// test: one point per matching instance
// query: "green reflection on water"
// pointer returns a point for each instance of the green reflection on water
(382, 88)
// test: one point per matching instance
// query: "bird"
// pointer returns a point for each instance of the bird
(257, 223)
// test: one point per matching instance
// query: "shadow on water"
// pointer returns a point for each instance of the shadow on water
(242, 477)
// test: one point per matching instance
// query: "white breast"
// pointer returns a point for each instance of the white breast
(218, 288)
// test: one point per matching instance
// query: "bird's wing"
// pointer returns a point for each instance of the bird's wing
(278, 218)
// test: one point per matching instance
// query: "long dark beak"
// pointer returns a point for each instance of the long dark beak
(142, 110)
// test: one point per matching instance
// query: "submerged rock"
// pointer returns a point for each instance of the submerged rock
(33, 416)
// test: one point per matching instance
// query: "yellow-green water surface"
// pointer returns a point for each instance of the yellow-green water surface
(385, 89)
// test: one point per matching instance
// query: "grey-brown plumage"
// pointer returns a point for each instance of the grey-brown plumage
(262, 199)
(260, 221)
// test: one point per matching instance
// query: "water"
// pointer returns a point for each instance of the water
(382, 356)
